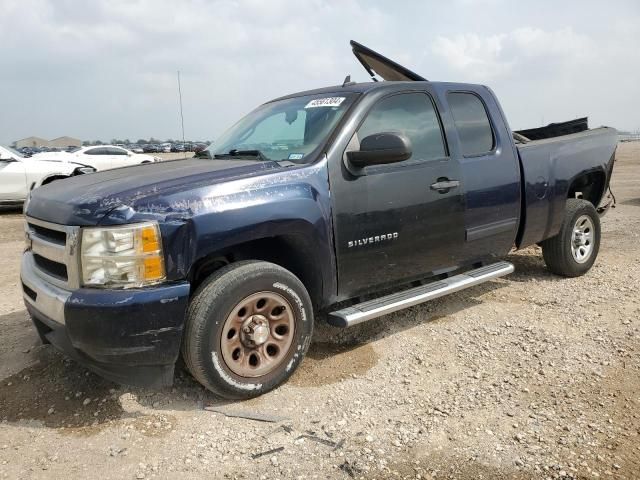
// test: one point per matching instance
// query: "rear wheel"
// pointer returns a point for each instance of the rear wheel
(574, 249)
(248, 328)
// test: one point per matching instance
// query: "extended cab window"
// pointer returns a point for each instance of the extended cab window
(412, 114)
(472, 123)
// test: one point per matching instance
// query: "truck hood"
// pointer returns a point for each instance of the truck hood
(87, 199)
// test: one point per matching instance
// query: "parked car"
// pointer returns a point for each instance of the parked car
(308, 204)
(19, 174)
(28, 151)
(101, 157)
(198, 147)
(136, 149)
(152, 148)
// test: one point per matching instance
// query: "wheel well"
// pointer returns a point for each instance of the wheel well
(288, 251)
(53, 178)
(589, 186)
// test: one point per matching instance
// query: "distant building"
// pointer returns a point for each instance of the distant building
(64, 142)
(37, 142)
(32, 142)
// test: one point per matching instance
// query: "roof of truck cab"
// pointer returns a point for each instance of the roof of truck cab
(366, 87)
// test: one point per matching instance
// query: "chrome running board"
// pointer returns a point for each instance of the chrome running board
(377, 307)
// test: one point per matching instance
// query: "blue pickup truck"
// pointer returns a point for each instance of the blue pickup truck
(396, 191)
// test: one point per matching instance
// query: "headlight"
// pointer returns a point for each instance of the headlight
(122, 257)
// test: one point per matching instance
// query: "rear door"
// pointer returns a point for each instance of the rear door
(490, 172)
(393, 223)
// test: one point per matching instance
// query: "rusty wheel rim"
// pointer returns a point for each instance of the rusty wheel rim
(257, 335)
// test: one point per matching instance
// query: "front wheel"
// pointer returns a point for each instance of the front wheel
(248, 328)
(574, 249)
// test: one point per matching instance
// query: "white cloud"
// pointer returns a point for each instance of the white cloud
(107, 68)
(471, 52)
(497, 55)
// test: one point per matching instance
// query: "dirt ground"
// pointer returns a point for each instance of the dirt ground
(530, 376)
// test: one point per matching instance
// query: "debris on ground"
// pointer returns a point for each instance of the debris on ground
(258, 417)
(268, 452)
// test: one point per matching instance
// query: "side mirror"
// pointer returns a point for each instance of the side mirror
(6, 158)
(380, 149)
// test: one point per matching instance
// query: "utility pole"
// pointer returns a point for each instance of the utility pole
(180, 98)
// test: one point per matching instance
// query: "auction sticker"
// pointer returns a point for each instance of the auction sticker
(325, 102)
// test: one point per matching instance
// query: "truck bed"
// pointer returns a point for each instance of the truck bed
(550, 168)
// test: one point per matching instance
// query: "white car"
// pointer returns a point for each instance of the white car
(19, 175)
(100, 157)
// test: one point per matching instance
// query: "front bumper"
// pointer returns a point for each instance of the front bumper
(127, 336)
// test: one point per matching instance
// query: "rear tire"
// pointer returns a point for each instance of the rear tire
(248, 327)
(573, 251)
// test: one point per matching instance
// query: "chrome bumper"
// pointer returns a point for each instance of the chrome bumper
(48, 299)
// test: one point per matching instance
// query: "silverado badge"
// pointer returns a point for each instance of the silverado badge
(361, 242)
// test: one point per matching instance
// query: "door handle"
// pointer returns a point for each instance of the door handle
(443, 185)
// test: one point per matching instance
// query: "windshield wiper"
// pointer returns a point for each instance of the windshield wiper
(242, 153)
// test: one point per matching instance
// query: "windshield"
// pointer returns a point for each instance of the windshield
(289, 129)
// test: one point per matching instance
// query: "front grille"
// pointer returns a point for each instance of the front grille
(54, 250)
(53, 236)
(55, 269)
(30, 293)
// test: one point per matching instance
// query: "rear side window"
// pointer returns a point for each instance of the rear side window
(412, 114)
(472, 123)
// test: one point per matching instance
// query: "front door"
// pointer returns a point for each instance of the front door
(399, 222)
(118, 157)
(96, 157)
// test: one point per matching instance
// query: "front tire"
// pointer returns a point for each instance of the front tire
(248, 327)
(574, 249)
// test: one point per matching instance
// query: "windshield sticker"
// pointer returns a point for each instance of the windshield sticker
(296, 156)
(325, 102)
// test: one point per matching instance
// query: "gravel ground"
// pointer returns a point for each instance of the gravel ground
(530, 376)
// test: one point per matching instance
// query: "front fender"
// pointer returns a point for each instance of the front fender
(298, 211)
(198, 223)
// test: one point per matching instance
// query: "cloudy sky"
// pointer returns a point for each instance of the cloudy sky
(99, 69)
